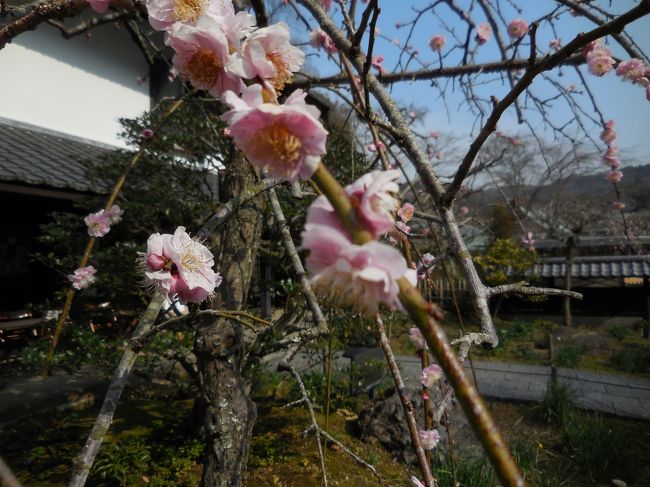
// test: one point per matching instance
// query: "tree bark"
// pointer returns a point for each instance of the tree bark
(570, 255)
(226, 413)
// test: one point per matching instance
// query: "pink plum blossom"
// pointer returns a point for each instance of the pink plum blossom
(268, 54)
(288, 140)
(529, 241)
(600, 61)
(362, 276)
(320, 40)
(99, 224)
(463, 210)
(555, 44)
(201, 55)
(618, 205)
(608, 135)
(179, 266)
(406, 212)
(434, 134)
(631, 70)
(147, 133)
(326, 4)
(373, 199)
(82, 277)
(517, 28)
(375, 146)
(99, 6)
(415, 335)
(437, 43)
(377, 63)
(614, 176)
(415, 482)
(426, 266)
(163, 14)
(430, 375)
(114, 214)
(429, 439)
(483, 33)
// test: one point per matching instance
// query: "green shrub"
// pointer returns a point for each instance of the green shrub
(558, 404)
(599, 453)
(469, 472)
(122, 463)
(620, 332)
(568, 356)
(633, 361)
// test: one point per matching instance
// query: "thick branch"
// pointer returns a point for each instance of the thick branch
(523, 288)
(57, 9)
(7, 477)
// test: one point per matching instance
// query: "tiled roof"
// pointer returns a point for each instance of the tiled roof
(36, 156)
(597, 266)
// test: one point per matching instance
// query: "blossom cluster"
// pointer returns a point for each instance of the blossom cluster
(610, 157)
(225, 54)
(362, 276)
(179, 267)
(99, 223)
(600, 62)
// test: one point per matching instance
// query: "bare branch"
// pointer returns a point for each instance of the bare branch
(407, 405)
(429, 74)
(7, 477)
(314, 424)
(57, 9)
(88, 24)
(319, 431)
(524, 288)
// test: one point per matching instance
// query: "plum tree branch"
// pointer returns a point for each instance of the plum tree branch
(407, 405)
(57, 9)
(517, 64)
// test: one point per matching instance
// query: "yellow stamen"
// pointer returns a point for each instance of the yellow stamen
(278, 141)
(204, 68)
(188, 10)
(283, 74)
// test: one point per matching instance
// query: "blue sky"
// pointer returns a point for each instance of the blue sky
(621, 101)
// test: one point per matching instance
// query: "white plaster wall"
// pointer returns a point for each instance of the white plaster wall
(73, 86)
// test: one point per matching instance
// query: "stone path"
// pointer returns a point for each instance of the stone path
(607, 393)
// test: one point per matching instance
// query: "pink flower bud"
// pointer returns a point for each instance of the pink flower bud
(147, 133)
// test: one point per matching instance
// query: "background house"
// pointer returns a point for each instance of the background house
(60, 103)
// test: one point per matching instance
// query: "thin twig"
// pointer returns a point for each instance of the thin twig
(314, 424)
(407, 405)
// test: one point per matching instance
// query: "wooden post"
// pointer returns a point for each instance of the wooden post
(646, 310)
(568, 266)
(551, 353)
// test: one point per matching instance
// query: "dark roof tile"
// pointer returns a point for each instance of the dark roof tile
(33, 155)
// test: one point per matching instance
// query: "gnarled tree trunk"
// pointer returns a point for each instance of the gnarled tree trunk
(225, 411)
